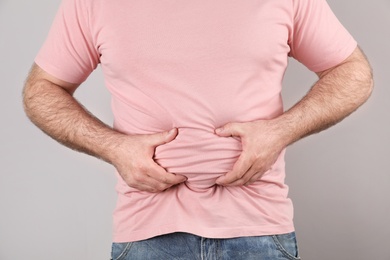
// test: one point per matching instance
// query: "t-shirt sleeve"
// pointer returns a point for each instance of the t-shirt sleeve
(319, 40)
(69, 52)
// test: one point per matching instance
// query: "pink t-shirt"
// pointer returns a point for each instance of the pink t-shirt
(195, 65)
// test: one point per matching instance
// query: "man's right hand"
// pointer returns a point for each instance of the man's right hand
(49, 103)
(133, 158)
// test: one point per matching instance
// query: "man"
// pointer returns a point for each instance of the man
(199, 131)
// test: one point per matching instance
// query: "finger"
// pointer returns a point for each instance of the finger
(259, 173)
(161, 138)
(240, 168)
(230, 129)
(154, 180)
(143, 187)
(245, 178)
(159, 174)
(254, 178)
(151, 185)
(141, 182)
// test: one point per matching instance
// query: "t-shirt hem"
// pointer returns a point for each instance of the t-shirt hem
(207, 233)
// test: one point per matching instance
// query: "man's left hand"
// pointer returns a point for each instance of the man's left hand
(262, 142)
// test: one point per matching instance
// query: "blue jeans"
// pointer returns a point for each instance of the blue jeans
(186, 246)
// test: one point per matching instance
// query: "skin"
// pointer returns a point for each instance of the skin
(338, 92)
(50, 104)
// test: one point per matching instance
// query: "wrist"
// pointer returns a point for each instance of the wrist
(112, 147)
(283, 128)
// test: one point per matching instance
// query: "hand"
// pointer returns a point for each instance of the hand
(134, 162)
(262, 142)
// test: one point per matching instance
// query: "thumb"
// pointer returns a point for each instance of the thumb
(230, 129)
(162, 138)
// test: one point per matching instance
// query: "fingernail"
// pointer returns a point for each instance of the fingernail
(218, 130)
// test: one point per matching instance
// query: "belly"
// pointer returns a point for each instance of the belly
(200, 155)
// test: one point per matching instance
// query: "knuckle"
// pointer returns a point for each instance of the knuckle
(243, 180)
(153, 190)
(132, 183)
(228, 125)
(239, 174)
(141, 168)
(138, 177)
(161, 187)
(163, 179)
(239, 182)
(253, 157)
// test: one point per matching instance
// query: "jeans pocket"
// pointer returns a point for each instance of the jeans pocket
(120, 250)
(287, 244)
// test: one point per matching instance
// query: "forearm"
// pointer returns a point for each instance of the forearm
(49, 103)
(337, 93)
(56, 112)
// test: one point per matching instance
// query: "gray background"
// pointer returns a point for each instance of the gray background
(57, 204)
